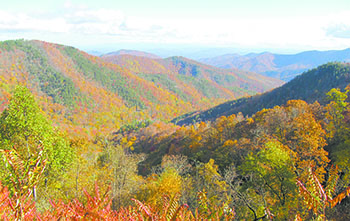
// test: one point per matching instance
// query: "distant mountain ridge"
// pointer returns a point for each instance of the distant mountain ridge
(131, 52)
(310, 86)
(284, 67)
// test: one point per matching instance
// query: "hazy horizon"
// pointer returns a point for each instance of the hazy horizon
(192, 52)
(182, 27)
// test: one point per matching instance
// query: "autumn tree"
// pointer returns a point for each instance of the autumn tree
(296, 127)
(338, 128)
(119, 170)
(335, 112)
(207, 179)
(270, 180)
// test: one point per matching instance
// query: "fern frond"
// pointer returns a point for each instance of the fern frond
(309, 198)
(320, 190)
(4, 200)
(165, 204)
(182, 208)
(143, 207)
(340, 197)
(172, 207)
(332, 182)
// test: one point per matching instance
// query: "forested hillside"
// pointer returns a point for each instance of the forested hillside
(98, 96)
(286, 158)
(311, 86)
(85, 139)
(182, 74)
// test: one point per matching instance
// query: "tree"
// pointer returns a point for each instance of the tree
(209, 180)
(296, 127)
(335, 112)
(120, 171)
(25, 130)
(167, 184)
(337, 118)
(270, 179)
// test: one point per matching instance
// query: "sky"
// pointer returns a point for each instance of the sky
(284, 26)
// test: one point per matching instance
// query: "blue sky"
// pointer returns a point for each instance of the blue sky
(255, 25)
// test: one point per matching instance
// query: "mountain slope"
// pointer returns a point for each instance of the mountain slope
(209, 81)
(82, 91)
(310, 86)
(284, 67)
(64, 73)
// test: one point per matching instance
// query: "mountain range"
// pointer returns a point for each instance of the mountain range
(281, 66)
(119, 87)
(112, 90)
(210, 81)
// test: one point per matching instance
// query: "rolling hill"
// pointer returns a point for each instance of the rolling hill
(284, 67)
(311, 86)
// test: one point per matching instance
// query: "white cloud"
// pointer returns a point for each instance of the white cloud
(110, 25)
(338, 31)
(23, 22)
